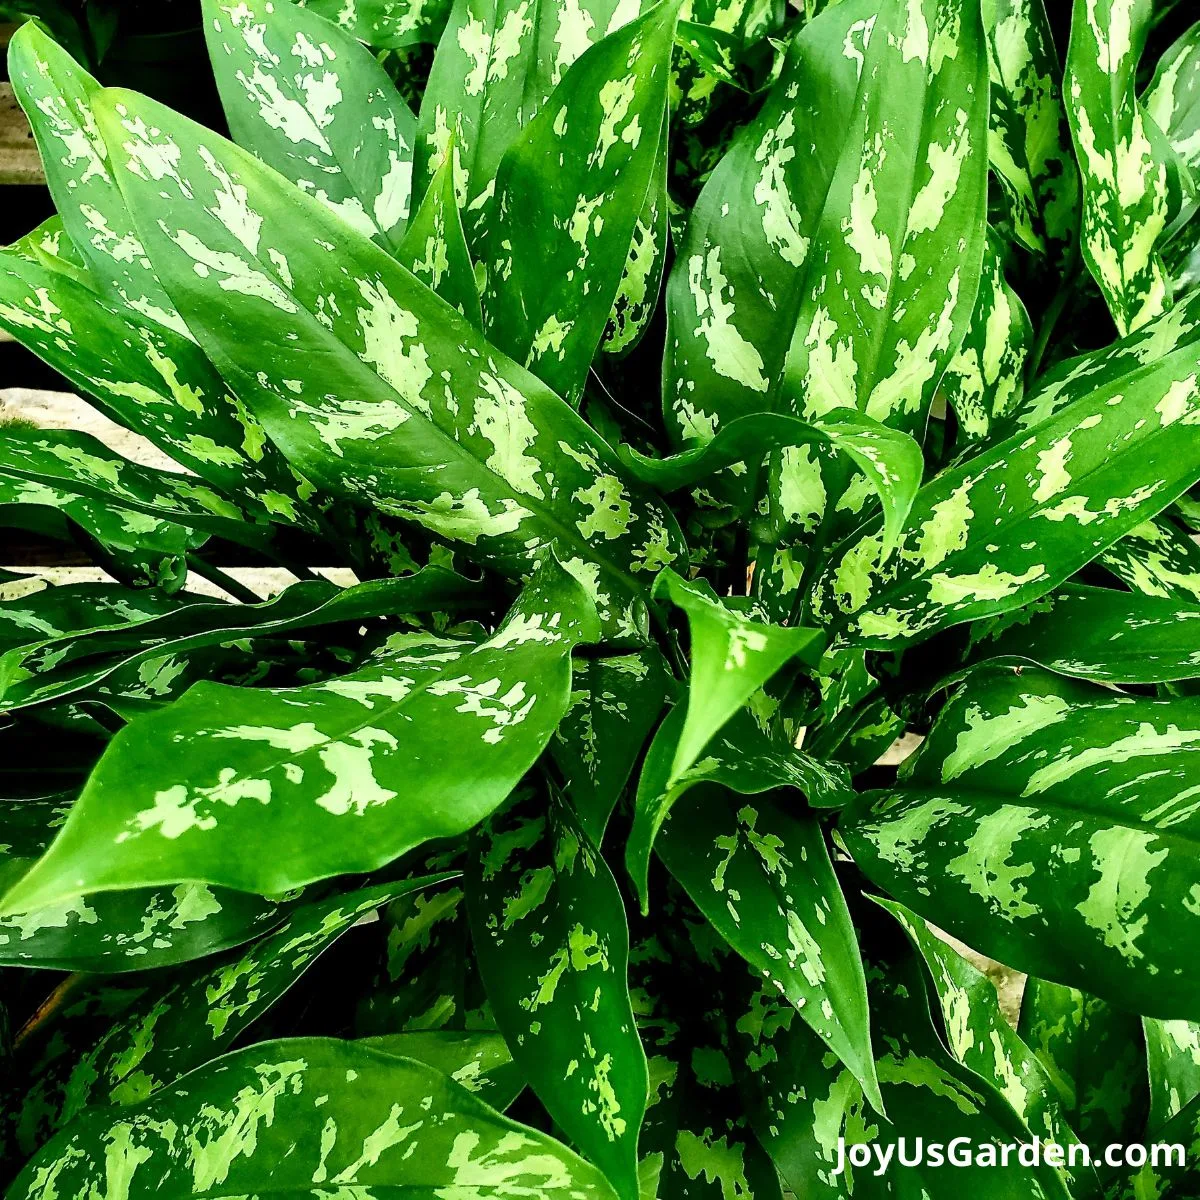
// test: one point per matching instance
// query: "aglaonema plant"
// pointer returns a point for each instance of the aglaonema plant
(703, 398)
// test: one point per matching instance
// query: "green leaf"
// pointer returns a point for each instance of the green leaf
(731, 658)
(902, 231)
(1172, 101)
(981, 1039)
(801, 1104)
(340, 776)
(568, 197)
(148, 378)
(291, 1116)
(313, 103)
(144, 498)
(1129, 192)
(1108, 441)
(134, 547)
(1094, 633)
(637, 295)
(133, 930)
(713, 49)
(1029, 140)
(890, 460)
(386, 24)
(60, 667)
(401, 403)
(735, 289)
(481, 1062)
(696, 1143)
(1052, 827)
(741, 759)
(496, 64)
(57, 95)
(1094, 1055)
(1165, 1177)
(54, 612)
(880, 189)
(1173, 1060)
(176, 1027)
(984, 382)
(435, 247)
(615, 702)
(548, 926)
(760, 873)
(1157, 559)
(429, 979)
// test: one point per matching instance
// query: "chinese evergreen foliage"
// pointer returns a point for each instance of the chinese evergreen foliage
(696, 398)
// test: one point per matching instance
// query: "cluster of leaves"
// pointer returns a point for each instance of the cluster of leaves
(704, 398)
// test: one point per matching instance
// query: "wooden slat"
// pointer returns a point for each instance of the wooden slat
(19, 161)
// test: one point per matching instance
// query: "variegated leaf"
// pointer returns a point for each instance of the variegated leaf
(732, 657)
(57, 96)
(341, 765)
(137, 548)
(615, 702)
(175, 1027)
(53, 612)
(1029, 141)
(1094, 1055)
(1052, 826)
(542, 232)
(145, 376)
(981, 1038)
(891, 462)
(734, 292)
(77, 464)
(1128, 198)
(386, 24)
(435, 247)
(985, 380)
(1109, 440)
(1097, 633)
(902, 229)
(760, 872)
(372, 386)
(802, 1106)
(314, 104)
(1173, 1061)
(548, 925)
(641, 281)
(741, 759)
(1157, 558)
(496, 64)
(303, 1116)
(61, 667)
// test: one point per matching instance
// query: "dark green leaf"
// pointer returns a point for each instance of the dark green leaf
(615, 703)
(1094, 633)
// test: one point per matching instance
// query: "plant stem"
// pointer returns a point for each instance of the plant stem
(1050, 319)
(239, 591)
